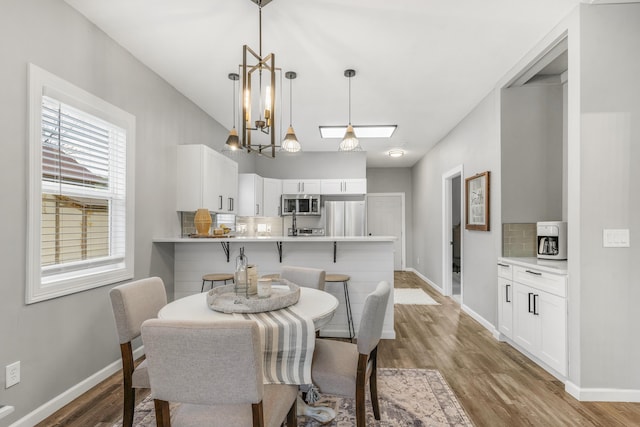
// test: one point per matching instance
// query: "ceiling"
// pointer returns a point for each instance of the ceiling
(421, 64)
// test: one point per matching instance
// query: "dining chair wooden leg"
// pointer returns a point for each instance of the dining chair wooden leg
(127, 384)
(292, 416)
(361, 382)
(258, 414)
(373, 383)
(163, 417)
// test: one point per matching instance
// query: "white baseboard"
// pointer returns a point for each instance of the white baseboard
(484, 322)
(601, 394)
(49, 408)
(426, 279)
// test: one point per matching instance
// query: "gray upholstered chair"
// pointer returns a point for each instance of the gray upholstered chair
(304, 276)
(133, 303)
(214, 369)
(343, 368)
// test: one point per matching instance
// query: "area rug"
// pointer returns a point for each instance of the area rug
(412, 296)
(408, 397)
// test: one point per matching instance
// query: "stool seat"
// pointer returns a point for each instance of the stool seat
(337, 278)
(216, 277)
(271, 276)
(344, 279)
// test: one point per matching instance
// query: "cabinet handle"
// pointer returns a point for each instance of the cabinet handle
(220, 203)
(257, 209)
(534, 272)
(503, 265)
(535, 304)
(529, 309)
(299, 188)
(506, 291)
(303, 187)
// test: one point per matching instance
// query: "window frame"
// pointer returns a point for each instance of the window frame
(42, 83)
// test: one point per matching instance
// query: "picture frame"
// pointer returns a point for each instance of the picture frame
(477, 202)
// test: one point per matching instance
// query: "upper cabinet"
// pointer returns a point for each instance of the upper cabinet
(250, 195)
(300, 186)
(272, 196)
(343, 186)
(205, 179)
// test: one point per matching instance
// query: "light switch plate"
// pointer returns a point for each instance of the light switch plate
(615, 238)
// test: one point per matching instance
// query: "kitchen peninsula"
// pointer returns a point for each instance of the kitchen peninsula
(367, 259)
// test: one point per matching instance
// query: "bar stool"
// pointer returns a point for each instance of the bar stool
(344, 278)
(216, 277)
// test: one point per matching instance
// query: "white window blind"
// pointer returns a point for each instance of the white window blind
(81, 205)
(83, 189)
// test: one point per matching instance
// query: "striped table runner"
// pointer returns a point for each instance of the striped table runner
(289, 340)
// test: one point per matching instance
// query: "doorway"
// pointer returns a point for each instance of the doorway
(385, 217)
(452, 217)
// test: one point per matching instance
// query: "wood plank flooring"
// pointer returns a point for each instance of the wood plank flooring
(495, 384)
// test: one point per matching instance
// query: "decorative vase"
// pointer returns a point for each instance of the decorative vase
(202, 221)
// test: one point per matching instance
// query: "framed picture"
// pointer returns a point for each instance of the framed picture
(477, 200)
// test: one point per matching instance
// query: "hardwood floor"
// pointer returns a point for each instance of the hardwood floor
(495, 384)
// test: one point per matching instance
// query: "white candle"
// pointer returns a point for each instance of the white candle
(264, 288)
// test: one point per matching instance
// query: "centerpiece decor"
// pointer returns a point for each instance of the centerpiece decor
(202, 221)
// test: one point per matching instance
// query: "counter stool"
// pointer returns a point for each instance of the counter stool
(344, 278)
(216, 277)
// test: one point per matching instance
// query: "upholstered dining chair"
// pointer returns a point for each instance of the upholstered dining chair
(214, 369)
(132, 304)
(343, 368)
(304, 276)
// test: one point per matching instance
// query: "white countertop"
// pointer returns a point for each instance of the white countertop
(319, 239)
(548, 265)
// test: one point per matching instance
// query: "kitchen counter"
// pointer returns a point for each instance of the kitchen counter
(254, 239)
(366, 259)
(548, 265)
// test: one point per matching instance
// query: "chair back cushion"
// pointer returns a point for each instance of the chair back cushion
(135, 302)
(304, 276)
(204, 362)
(372, 320)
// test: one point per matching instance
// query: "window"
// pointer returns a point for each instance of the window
(80, 194)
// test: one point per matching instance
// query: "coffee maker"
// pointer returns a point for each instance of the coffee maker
(552, 240)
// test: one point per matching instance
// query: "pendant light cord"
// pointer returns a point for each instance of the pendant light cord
(290, 102)
(349, 100)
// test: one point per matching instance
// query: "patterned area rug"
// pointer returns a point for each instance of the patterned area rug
(408, 397)
(412, 296)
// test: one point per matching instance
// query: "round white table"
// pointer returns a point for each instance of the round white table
(317, 304)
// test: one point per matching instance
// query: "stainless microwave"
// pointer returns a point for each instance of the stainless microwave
(302, 204)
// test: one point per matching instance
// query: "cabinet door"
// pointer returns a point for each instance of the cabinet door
(291, 186)
(331, 186)
(505, 307)
(526, 325)
(553, 331)
(354, 186)
(189, 181)
(310, 186)
(272, 196)
(211, 180)
(230, 182)
(246, 194)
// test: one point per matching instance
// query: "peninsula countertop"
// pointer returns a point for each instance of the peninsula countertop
(258, 239)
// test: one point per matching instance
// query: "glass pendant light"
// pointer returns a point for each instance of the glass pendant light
(290, 142)
(233, 142)
(349, 141)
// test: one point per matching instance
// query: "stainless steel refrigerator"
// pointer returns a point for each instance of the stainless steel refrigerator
(344, 218)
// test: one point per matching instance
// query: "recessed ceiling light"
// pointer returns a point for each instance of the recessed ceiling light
(362, 131)
(395, 153)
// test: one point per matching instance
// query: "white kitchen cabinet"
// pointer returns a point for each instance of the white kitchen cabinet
(250, 194)
(300, 186)
(343, 186)
(272, 196)
(538, 312)
(205, 179)
(505, 302)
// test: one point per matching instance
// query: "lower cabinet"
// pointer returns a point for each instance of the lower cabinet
(534, 315)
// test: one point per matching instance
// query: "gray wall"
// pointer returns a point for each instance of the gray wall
(474, 143)
(396, 180)
(63, 341)
(604, 176)
(531, 135)
(313, 164)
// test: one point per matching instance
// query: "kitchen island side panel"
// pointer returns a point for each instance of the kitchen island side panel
(366, 262)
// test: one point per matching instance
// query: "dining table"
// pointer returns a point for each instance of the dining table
(313, 304)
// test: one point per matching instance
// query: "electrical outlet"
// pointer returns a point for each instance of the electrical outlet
(12, 374)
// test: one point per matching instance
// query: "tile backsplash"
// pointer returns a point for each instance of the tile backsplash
(519, 240)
